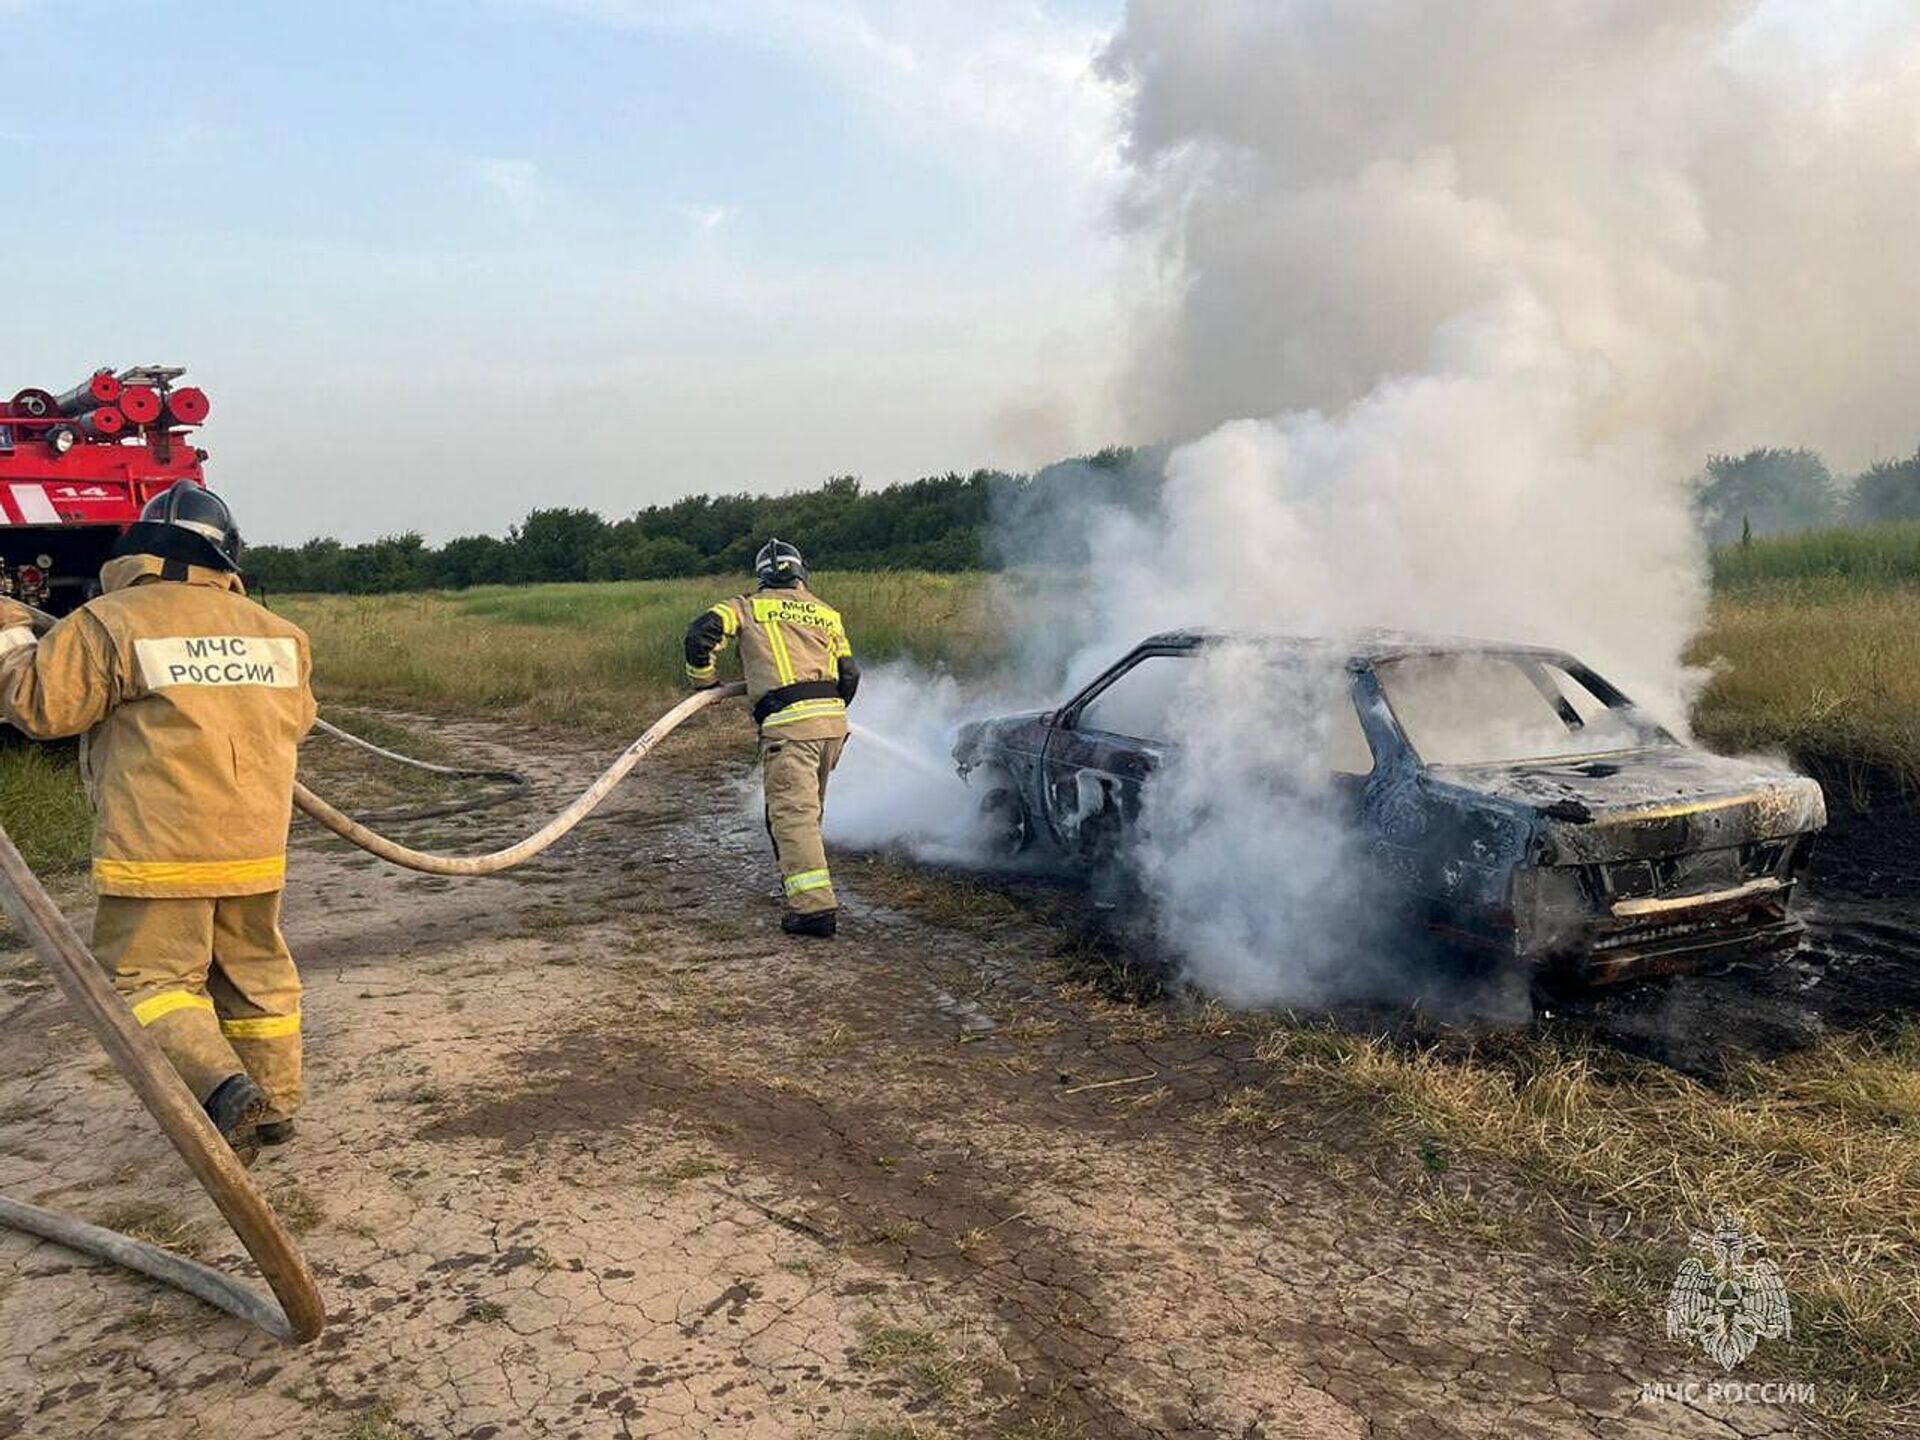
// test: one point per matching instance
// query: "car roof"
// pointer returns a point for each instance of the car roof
(1369, 646)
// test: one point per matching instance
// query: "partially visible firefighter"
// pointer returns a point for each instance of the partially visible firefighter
(193, 700)
(801, 676)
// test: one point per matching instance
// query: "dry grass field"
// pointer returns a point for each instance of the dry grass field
(1526, 1140)
(1825, 669)
(1819, 1150)
(601, 657)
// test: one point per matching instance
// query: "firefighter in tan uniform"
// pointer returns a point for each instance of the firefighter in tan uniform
(193, 699)
(800, 674)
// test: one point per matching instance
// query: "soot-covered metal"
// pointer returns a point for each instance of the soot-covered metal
(1605, 849)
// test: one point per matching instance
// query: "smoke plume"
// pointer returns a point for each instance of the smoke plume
(1712, 199)
(1454, 298)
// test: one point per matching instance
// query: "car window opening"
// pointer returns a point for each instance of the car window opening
(1137, 703)
(1141, 704)
(1489, 709)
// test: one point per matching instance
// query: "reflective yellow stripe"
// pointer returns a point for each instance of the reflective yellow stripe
(771, 613)
(808, 880)
(705, 672)
(157, 1007)
(729, 618)
(804, 710)
(164, 874)
(262, 1027)
(782, 658)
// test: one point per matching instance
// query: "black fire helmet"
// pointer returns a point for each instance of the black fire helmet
(186, 522)
(779, 565)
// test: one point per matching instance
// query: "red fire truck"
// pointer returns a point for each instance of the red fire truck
(75, 469)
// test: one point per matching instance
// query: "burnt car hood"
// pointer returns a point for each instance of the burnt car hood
(1660, 800)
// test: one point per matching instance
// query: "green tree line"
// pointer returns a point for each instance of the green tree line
(931, 524)
(961, 522)
(1772, 491)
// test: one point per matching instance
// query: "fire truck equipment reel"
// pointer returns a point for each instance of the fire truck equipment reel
(188, 405)
(140, 404)
(101, 388)
(103, 424)
(71, 481)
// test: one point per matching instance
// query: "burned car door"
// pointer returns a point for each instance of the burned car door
(1105, 743)
(1449, 858)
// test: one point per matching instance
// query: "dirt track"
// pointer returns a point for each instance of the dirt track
(593, 1150)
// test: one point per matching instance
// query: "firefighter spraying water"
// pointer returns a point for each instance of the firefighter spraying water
(801, 676)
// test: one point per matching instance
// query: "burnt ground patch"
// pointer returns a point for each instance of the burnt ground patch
(1858, 969)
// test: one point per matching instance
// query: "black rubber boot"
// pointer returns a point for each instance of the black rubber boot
(819, 924)
(235, 1107)
(274, 1132)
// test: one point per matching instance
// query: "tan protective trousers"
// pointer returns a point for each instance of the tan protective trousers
(213, 982)
(796, 774)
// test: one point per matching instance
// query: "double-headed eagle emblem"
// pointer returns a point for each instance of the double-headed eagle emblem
(1725, 1302)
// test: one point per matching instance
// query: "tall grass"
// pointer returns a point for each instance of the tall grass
(605, 657)
(1872, 555)
(42, 805)
(1823, 668)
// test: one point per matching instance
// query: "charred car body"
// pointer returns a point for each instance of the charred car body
(1511, 799)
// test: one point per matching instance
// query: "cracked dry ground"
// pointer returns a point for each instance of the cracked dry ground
(592, 1150)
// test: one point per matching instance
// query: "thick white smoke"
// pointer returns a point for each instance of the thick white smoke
(1468, 498)
(1472, 498)
(896, 785)
(1248, 851)
(1712, 198)
(1457, 296)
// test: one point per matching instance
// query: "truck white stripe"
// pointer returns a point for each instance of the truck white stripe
(33, 505)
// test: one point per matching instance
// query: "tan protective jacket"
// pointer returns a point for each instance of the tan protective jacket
(195, 700)
(794, 652)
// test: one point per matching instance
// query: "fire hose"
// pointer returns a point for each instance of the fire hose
(584, 805)
(327, 727)
(300, 1314)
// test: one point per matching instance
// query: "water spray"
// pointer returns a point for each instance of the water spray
(912, 759)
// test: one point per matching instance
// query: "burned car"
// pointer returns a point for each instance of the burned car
(1507, 798)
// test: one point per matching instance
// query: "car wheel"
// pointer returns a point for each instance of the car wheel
(1005, 827)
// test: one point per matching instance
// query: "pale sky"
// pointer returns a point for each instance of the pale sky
(438, 262)
(441, 261)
